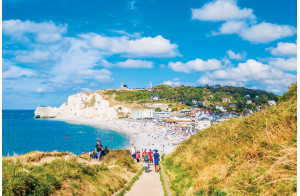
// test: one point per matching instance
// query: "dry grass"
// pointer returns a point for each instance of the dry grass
(60, 173)
(255, 155)
(112, 102)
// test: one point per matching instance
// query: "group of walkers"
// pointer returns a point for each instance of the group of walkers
(147, 157)
(99, 152)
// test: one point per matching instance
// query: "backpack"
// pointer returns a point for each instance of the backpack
(146, 157)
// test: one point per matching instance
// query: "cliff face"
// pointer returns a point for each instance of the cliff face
(86, 105)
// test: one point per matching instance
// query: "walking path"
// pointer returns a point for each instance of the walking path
(148, 184)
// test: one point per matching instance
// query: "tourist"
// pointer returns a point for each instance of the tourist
(106, 150)
(138, 156)
(82, 153)
(150, 156)
(156, 160)
(133, 151)
(98, 149)
(146, 158)
(91, 154)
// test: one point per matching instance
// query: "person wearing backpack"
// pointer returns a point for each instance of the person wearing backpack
(146, 158)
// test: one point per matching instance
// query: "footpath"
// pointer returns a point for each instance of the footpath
(147, 184)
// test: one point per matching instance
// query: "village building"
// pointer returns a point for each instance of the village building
(161, 115)
(155, 97)
(225, 100)
(272, 102)
(194, 101)
(249, 101)
(220, 107)
(142, 114)
(123, 86)
(206, 103)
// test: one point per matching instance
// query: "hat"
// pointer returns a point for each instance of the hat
(155, 150)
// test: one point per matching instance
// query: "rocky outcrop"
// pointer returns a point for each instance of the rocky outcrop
(86, 105)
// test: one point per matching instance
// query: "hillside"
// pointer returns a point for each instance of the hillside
(173, 95)
(60, 173)
(254, 155)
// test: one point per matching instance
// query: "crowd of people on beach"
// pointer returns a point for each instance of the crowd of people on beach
(147, 157)
(99, 152)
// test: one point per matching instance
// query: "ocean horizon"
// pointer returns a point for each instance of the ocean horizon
(21, 133)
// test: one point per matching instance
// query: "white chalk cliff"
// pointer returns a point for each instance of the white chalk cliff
(85, 105)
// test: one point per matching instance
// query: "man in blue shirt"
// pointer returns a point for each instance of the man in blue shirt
(156, 159)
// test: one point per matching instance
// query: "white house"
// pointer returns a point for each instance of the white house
(220, 107)
(249, 101)
(155, 97)
(194, 101)
(272, 102)
(203, 123)
(161, 115)
(142, 114)
(226, 100)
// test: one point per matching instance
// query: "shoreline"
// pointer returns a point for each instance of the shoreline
(144, 135)
(101, 126)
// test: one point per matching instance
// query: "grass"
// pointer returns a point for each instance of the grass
(28, 175)
(254, 155)
(163, 182)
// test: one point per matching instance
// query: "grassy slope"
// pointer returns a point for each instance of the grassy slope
(23, 175)
(255, 155)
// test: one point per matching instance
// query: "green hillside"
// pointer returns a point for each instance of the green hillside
(254, 155)
(213, 94)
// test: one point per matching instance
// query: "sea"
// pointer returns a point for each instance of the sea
(21, 133)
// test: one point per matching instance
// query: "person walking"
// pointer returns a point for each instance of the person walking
(146, 158)
(138, 156)
(150, 156)
(98, 149)
(156, 160)
(133, 151)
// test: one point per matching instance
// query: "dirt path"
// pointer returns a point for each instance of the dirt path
(148, 184)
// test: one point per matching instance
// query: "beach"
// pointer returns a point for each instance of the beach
(144, 135)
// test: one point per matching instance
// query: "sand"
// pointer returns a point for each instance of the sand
(144, 135)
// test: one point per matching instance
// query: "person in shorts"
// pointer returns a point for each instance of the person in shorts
(156, 160)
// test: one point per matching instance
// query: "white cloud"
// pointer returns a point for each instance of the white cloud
(222, 10)
(42, 90)
(16, 72)
(232, 27)
(251, 73)
(267, 32)
(130, 63)
(102, 75)
(33, 56)
(257, 33)
(174, 82)
(143, 47)
(284, 49)
(44, 32)
(289, 64)
(195, 65)
(85, 90)
(236, 56)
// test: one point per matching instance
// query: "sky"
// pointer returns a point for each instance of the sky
(52, 49)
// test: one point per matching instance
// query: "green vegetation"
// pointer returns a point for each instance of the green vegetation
(163, 182)
(214, 95)
(254, 155)
(57, 173)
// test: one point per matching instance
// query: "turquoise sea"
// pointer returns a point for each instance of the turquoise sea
(21, 133)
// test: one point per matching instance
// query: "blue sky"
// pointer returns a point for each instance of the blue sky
(52, 49)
